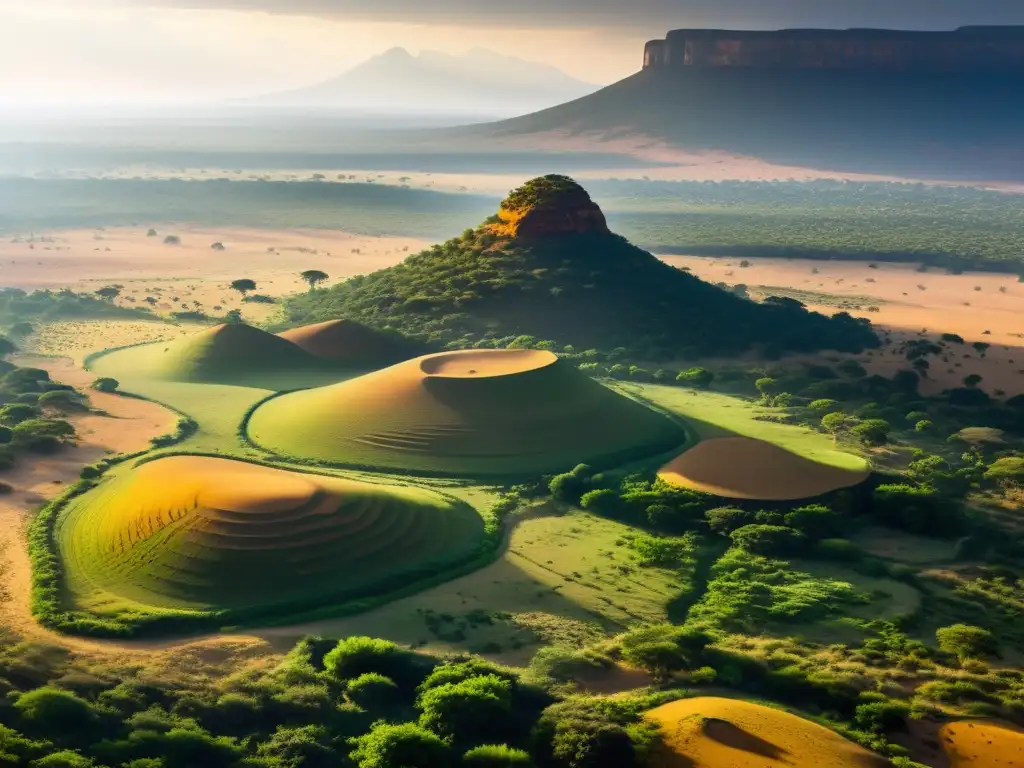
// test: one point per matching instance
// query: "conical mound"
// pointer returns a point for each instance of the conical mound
(546, 266)
(744, 468)
(202, 533)
(474, 412)
(712, 732)
(346, 341)
(226, 351)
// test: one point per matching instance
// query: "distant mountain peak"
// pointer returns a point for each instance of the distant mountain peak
(549, 205)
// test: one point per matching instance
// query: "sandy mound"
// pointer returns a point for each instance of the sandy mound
(982, 744)
(501, 412)
(482, 363)
(346, 341)
(224, 351)
(192, 531)
(743, 468)
(710, 732)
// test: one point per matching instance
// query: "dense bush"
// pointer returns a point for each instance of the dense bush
(408, 745)
(769, 539)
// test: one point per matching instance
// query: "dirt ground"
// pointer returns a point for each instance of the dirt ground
(192, 275)
(979, 306)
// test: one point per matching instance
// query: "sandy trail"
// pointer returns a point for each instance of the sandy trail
(128, 427)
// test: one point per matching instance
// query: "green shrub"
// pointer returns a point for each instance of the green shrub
(105, 384)
(355, 656)
(769, 539)
(603, 502)
(966, 641)
(66, 758)
(664, 649)
(496, 756)
(477, 708)
(400, 746)
(52, 711)
(304, 747)
(725, 520)
(816, 521)
(372, 690)
(699, 378)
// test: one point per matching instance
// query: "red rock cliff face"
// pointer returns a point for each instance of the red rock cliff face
(969, 49)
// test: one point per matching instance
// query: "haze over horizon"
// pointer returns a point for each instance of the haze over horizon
(193, 51)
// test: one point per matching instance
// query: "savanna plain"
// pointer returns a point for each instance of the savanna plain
(284, 483)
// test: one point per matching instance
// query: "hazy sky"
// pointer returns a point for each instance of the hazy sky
(89, 51)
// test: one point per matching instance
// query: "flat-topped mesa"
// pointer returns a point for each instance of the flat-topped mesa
(964, 50)
(548, 205)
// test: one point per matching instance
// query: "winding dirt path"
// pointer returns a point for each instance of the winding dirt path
(128, 426)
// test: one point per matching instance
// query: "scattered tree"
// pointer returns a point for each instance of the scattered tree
(243, 285)
(314, 277)
(105, 384)
(172, 240)
(966, 641)
(109, 293)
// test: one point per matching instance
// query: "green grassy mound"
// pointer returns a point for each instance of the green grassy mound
(475, 412)
(221, 354)
(349, 342)
(201, 534)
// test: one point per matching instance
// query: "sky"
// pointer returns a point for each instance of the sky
(169, 51)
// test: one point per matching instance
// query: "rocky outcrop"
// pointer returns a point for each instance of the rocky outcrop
(549, 205)
(966, 50)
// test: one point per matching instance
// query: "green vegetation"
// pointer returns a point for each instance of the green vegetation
(956, 227)
(196, 541)
(233, 353)
(509, 423)
(18, 308)
(486, 290)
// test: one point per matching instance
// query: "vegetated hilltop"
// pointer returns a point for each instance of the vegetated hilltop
(546, 266)
(471, 412)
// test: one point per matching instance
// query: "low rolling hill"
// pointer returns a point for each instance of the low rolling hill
(350, 343)
(201, 534)
(710, 732)
(476, 412)
(743, 468)
(547, 267)
(221, 354)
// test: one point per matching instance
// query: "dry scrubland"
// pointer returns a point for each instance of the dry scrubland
(463, 413)
(977, 306)
(199, 533)
(190, 275)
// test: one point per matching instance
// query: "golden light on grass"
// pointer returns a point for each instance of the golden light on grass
(982, 744)
(502, 412)
(198, 532)
(744, 468)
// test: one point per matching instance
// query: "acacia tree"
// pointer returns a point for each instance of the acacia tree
(314, 277)
(109, 293)
(834, 423)
(243, 286)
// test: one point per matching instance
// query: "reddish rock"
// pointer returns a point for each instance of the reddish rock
(549, 205)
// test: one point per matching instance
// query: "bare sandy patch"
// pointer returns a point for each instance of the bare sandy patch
(709, 732)
(742, 468)
(484, 363)
(192, 275)
(979, 306)
(982, 744)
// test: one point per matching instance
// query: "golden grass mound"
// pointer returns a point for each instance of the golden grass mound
(710, 732)
(222, 353)
(744, 468)
(982, 744)
(197, 532)
(346, 341)
(473, 412)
